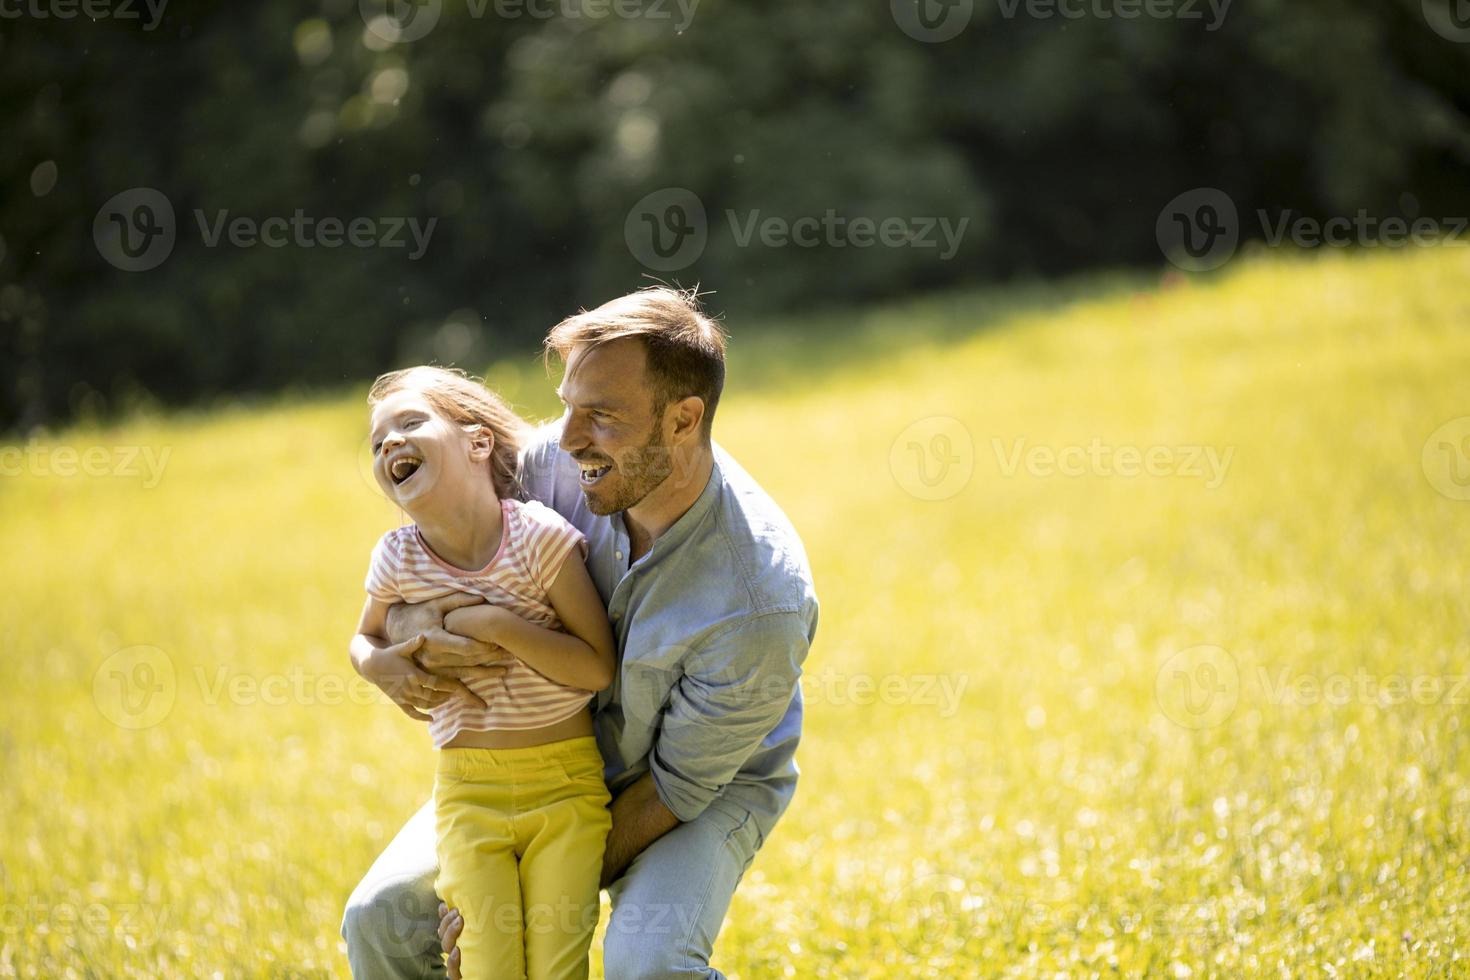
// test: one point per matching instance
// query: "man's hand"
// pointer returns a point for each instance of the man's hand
(639, 818)
(452, 655)
(413, 689)
(450, 926)
(408, 619)
(443, 652)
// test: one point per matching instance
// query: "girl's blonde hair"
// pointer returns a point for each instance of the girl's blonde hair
(464, 400)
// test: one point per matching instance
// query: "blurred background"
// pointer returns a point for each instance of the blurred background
(531, 133)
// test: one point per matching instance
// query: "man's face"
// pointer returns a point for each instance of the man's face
(610, 427)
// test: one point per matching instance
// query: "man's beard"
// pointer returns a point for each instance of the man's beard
(639, 472)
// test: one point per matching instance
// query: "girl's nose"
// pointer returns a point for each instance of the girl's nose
(392, 441)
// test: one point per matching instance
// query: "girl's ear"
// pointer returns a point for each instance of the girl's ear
(482, 442)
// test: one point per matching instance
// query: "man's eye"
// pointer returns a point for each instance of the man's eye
(377, 446)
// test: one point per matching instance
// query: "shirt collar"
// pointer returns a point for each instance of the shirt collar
(681, 529)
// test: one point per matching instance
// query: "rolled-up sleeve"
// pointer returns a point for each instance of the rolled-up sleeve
(735, 688)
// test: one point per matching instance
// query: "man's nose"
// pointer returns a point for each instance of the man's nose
(573, 439)
(392, 441)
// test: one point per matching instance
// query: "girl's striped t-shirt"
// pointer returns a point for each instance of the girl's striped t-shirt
(534, 544)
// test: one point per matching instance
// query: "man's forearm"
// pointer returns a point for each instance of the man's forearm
(639, 818)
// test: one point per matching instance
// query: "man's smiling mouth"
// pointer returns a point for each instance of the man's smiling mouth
(402, 468)
(593, 472)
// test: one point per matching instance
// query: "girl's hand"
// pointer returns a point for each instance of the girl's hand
(414, 690)
(484, 622)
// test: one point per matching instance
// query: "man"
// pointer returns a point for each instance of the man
(711, 599)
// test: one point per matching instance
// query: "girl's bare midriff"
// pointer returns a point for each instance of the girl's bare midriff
(576, 726)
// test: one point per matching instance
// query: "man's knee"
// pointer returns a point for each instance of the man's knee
(391, 922)
(632, 953)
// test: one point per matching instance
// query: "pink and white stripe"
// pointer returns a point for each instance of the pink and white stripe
(535, 543)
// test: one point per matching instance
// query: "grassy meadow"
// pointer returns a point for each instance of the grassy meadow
(1142, 653)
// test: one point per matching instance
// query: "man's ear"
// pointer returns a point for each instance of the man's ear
(687, 417)
(482, 442)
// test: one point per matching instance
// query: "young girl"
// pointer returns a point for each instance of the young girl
(520, 803)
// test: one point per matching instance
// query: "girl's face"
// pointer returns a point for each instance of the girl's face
(419, 455)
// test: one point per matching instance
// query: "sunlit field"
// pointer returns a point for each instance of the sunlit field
(1143, 647)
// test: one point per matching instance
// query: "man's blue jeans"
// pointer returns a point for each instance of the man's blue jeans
(667, 908)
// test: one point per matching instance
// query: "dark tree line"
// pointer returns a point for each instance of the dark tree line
(302, 150)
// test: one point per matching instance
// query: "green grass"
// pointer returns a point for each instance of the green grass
(1071, 814)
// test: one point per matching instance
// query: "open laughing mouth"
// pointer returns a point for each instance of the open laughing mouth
(403, 468)
(593, 472)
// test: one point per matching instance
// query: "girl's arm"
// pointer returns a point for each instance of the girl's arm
(392, 668)
(582, 657)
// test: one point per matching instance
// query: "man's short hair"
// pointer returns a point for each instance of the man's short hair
(686, 349)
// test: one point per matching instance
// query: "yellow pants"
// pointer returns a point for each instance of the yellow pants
(520, 839)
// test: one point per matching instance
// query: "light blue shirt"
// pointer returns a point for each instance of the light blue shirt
(712, 627)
